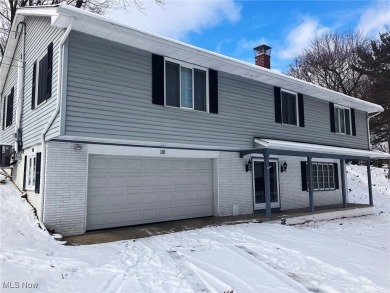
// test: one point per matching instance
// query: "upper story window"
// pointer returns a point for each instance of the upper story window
(42, 78)
(289, 107)
(8, 109)
(185, 86)
(342, 116)
(342, 119)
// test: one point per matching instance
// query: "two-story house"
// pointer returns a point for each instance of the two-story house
(113, 126)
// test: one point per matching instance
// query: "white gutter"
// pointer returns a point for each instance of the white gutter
(57, 110)
(368, 127)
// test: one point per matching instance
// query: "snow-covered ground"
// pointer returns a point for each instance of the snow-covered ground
(345, 255)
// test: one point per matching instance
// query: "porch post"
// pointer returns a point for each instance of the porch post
(310, 177)
(369, 182)
(343, 185)
(267, 185)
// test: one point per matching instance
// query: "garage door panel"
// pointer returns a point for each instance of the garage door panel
(150, 180)
(117, 218)
(150, 165)
(97, 181)
(97, 201)
(165, 196)
(130, 190)
(98, 163)
(134, 181)
(116, 199)
(134, 198)
(117, 163)
(134, 164)
(134, 216)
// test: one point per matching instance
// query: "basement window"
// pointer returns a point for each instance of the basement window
(31, 172)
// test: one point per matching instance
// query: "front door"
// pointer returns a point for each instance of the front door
(259, 186)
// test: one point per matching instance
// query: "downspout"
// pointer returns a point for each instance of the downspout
(20, 93)
(368, 127)
(53, 117)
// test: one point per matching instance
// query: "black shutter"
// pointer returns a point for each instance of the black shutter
(158, 79)
(42, 82)
(331, 117)
(336, 176)
(10, 108)
(38, 173)
(301, 109)
(33, 86)
(278, 105)
(304, 175)
(49, 72)
(24, 173)
(213, 91)
(353, 122)
(3, 122)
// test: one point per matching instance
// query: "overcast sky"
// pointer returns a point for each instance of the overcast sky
(234, 28)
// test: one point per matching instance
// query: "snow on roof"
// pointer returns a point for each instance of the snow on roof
(99, 26)
(315, 148)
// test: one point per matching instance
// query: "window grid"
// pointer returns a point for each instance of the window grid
(323, 176)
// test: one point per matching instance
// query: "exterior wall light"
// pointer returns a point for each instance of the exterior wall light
(78, 147)
(283, 168)
(248, 166)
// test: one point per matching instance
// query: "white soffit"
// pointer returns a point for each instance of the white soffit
(99, 26)
(307, 147)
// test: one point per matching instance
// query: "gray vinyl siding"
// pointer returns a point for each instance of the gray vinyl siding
(109, 96)
(39, 35)
(7, 135)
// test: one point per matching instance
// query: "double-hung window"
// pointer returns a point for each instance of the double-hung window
(185, 86)
(323, 176)
(342, 117)
(8, 109)
(289, 102)
(42, 78)
(31, 172)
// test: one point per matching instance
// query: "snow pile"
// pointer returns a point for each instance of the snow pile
(358, 191)
(348, 255)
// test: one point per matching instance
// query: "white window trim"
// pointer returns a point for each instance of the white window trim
(30, 187)
(296, 106)
(192, 67)
(338, 118)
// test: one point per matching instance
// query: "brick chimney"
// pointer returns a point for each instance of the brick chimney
(263, 56)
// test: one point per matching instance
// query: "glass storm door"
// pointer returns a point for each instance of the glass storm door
(259, 186)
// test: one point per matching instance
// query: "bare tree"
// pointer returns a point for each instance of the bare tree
(375, 63)
(8, 10)
(327, 62)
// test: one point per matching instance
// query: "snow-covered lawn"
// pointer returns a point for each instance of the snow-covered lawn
(346, 255)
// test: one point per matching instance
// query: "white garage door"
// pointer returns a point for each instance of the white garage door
(126, 191)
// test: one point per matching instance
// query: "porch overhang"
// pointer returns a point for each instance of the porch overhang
(289, 148)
